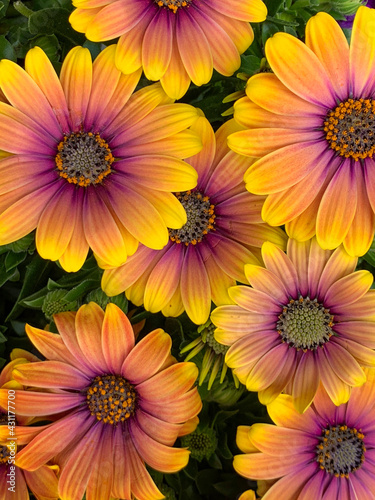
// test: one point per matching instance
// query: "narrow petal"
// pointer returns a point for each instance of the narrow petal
(147, 357)
(292, 484)
(267, 91)
(164, 279)
(195, 286)
(121, 466)
(344, 365)
(76, 81)
(278, 263)
(175, 80)
(88, 322)
(194, 48)
(101, 477)
(340, 264)
(267, 282)
(54, 229)
(254, 300)
(306, 382)
(267, 369)
(104, 238)
(43, 482)
(237, 319)
(169, 383)
(155, 454)
(159, 172)
(220, 282)
(15, 82)
(262, 466)
(349, 288)
(279, 441)
(35, 404)
(336, 211)
(117, 337)
(255, 12)
(50, 345)
(142, 485)
(139, 217)
(362, 53)
(326, 39)
(178, 409)
(159, 430)
(299, 69)
(51, 375)
(268, 175)
(115, 19)
(65, 323)
(283, 413)
(76, 472)
(284, 206)
(40, 68)
(360, 235)
(13, 223)
(262, 141)
(53, 440)
(160, 28)
(338, 391)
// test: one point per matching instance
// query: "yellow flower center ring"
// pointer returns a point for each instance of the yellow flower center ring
(200, 218)
(341, 450)
(350, 128)
(305, 324)
(111, 399)
(173, 5)
(84, 158)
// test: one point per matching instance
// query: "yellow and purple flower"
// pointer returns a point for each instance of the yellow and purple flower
(115, 405)
(89, 164)
(175, 41)
(326, 453)
(307, 318)
(311, 124)
(223, 232)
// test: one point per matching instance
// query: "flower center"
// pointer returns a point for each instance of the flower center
(350, 128)
(173, 5)
(200, 218)
(84, 158)
(4, 454)
(305, 324)
(201, 443)
(341, 450)
(111, 399)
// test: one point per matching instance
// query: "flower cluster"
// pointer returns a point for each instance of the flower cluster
(246, 241)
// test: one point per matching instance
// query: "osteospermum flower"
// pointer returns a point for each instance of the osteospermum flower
(326, 453)
(115, 405)
(311, 124)
(207, 255)
(175, 41)
(89, 164)
(307, 318)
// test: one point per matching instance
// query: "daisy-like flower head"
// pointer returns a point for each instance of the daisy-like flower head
(207, 255)
(175, 41)
(311, 124)
(307, 318)
(115, 405)
(327, 453)
(88, 164)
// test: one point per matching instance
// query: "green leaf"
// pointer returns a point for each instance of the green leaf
(13, 259)
(54, 21)
(6, 49)
(4, 4)
(49, 44)
(273, 6)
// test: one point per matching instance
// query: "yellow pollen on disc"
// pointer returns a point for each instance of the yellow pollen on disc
(200, 218)
(83, 158)
(111, 399)
(173, 5)
(341, 450)
(350, 128)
